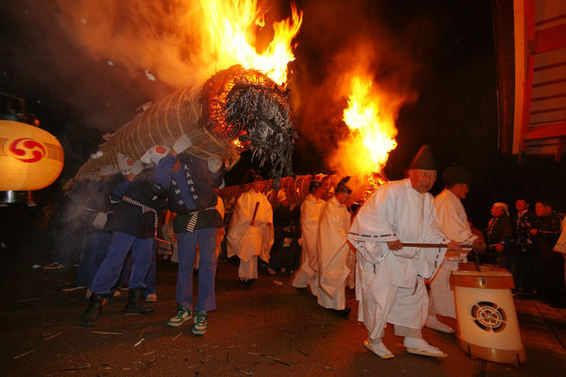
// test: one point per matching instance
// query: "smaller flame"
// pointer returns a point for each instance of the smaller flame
(230, 25)
(372, 129)
(238, 144)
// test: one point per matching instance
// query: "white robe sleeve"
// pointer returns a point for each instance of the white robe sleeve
(310, 217)
(333, 247)
(370, 230)
(561, 243)
(434, 233)
(429, 260)
(241, 230)
(453, 222)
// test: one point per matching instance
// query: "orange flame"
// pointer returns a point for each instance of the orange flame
(372, 128)
(230, 26)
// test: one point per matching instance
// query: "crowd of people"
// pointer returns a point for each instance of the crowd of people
(397, 250)
(525, 244)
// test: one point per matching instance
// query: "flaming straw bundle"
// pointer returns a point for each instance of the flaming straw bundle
(229, 27)
(243, 106)
(235, 105)
(252, 111)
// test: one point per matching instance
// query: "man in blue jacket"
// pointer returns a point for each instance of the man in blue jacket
(138, 201)
(191, 182)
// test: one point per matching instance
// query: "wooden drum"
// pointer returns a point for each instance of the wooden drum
(487, 321)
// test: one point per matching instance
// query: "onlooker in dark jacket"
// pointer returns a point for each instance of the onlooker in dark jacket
(524, 249)
(499, 236)
(138, 202)
(285, 254)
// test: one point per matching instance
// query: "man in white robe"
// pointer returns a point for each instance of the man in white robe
(560, 246)
(334, 251)
(222, 210)
(390, 276)
(250, 234)
(307, 274)
(453, 222)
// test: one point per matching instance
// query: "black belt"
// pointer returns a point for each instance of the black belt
(194, 217)
(145, 209)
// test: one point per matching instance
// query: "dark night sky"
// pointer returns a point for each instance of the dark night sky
(448, 46)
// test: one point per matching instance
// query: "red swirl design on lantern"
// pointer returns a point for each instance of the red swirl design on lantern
(27, 150)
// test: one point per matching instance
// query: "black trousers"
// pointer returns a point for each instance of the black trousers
(551, 276)
(528, 272)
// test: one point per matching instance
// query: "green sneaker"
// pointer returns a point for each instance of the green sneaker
(181, 316)
(200, 322)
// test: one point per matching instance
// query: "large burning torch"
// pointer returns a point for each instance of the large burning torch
(241, 107)
(235, 110)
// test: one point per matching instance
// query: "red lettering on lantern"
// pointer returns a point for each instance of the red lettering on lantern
(27, 150)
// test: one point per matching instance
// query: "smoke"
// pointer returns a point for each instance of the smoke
(338, 41)
(100, 58)
(167, 40)
(85, 66)
(160, 37)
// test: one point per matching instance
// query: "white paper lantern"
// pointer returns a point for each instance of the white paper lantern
(30, 157)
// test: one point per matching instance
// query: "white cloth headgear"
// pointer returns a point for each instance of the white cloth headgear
(214, 164)
(154, 154)
(137, 167)
(125, 164)
(281, 196)
(503, 206)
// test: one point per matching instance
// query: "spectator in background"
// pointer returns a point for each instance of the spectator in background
(98, 236)
(550, 269)
(250, 234)
(286, 250)
(334, 251)
(307, 274)
(499, 236)
(523, 223)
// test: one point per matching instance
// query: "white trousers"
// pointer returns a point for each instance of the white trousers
(441, 296)
(302, 277)
(406, 308)
(338, 302)
(248, 270)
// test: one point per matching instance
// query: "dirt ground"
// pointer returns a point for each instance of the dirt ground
(270, 329)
